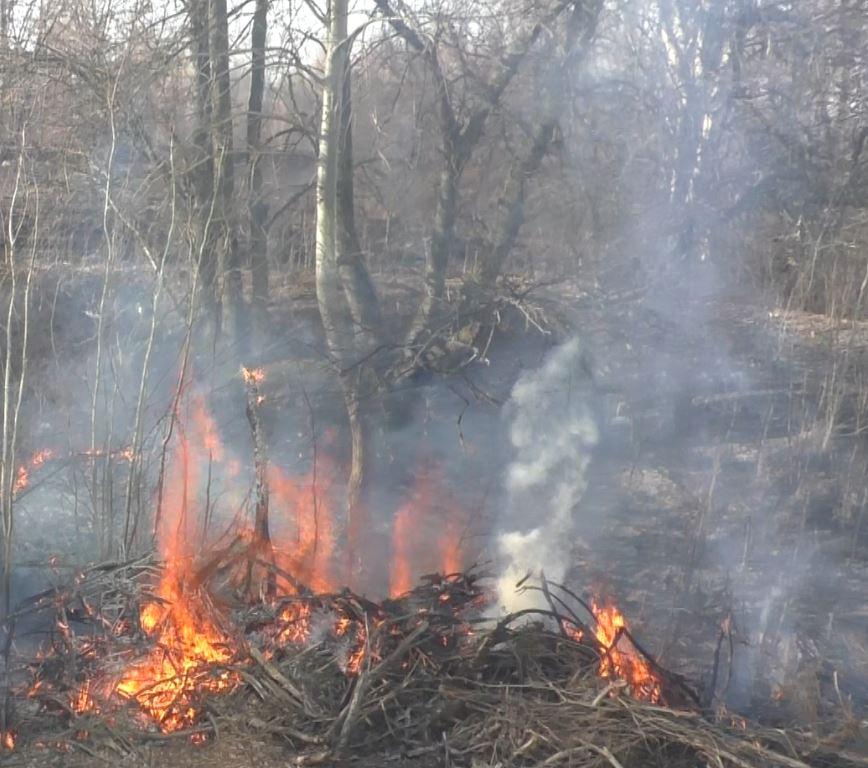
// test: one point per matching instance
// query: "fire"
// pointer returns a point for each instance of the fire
(22, 477)
(204, 433)
(296, 619)
(7, 740)
(189, 649)
(450, 545)
(621, 659)
(82, 700)
(357, 655)
(429, 514)
(253, 375)
(185, 662)
(302, 526)
(149, 617)
(401, 579)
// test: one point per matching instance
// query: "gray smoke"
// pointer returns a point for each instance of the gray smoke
(552, 434)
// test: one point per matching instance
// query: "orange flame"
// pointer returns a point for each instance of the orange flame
(82, 701)
(621, 659)
(22, 477)
(429, 515)
(401, 579)
(7, 740)
(188, 648)
(205, 434)
(296, 619)
(184, 663)
(302, 526)
(451, 556)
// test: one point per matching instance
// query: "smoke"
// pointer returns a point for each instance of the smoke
(552, 433)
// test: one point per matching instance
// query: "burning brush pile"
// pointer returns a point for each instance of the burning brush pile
(252, 633)
(334, 675)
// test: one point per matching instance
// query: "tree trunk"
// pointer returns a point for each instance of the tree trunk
(203, 171)
(334, 229)
(359, 289)
(257, 207)
(227, 250)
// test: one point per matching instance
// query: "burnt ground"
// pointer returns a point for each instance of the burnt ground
(724, 486)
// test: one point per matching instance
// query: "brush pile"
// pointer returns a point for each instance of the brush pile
(336, 676)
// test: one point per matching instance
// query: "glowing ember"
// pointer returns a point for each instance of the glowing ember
(621, 659)
(296, 618)
(82, 701)
(357, 656)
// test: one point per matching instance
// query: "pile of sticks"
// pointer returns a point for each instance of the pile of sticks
(424, 676)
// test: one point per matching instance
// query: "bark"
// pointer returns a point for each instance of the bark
(358, 288)
(330, 296)
(227, 250)
(334, 228)
(257, 207)
(203, 171)
(261, 546)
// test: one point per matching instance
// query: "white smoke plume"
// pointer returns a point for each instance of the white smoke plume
(552, 433)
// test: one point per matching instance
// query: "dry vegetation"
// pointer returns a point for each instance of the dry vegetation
(271, 271)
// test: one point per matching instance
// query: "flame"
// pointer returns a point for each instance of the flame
(22, 477)
(296, 620)
(189, 649)
(149, 617)
(400, 579)
(82, 701)
(357, 655)
(7, 739)
(621, 659)
(451, 555)
(302, 526)
(253, 375)
(429, 514)
(205, 434)
(184, 664)
(127, 454)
